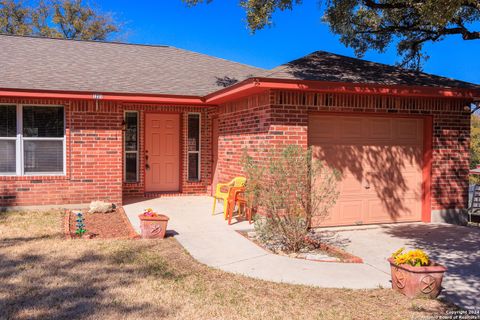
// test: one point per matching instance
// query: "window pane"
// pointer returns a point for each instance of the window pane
(193, 132)
(8, 121)
(193, 166)
(43, 122)
(131, 167)
(131, 131)
(43, 156)
(7, 156)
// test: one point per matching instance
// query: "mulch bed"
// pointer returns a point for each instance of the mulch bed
(112, 225)
(328, 249)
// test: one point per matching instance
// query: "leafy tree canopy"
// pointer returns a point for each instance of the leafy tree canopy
(70, 19)
(375, 24)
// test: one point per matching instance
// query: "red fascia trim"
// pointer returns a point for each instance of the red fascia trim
(253, 86)
(244, 88)
(166, 99)
(261, 84)
(325, 86)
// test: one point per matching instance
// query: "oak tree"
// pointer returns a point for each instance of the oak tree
(375, 24)
(70, 19)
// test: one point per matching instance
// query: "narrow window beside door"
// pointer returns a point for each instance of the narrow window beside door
(131, 146)
(194, 147)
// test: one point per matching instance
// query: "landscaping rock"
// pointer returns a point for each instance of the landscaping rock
(320, 257)
(101, 207)
(252, 234)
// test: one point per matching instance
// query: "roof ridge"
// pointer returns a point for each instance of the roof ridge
(133, 44)
(86, 41)
(284, 66)
(219, 58)
(402, 69)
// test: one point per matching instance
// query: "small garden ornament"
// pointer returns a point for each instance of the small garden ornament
(415, 275)
(80, 224)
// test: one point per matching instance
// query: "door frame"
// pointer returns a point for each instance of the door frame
(214, 118)
(180, 146)
(426, 214)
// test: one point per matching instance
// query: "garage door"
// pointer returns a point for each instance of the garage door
(380, 161)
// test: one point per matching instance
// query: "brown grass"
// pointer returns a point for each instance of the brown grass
(44, 276)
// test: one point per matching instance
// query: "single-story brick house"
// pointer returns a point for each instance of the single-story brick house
(83, 121)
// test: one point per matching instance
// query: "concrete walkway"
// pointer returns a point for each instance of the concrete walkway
(210, 240)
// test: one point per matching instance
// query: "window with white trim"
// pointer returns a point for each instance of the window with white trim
(131, 146)
(8, 139)
(194, 147)
(32, 140)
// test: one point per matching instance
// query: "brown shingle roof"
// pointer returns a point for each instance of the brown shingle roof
(54, 64)
(325, 66)
(106, 67)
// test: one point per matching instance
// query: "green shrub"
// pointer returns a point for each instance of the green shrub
(290, 188)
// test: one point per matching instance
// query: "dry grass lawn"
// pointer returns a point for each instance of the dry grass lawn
(43, 276)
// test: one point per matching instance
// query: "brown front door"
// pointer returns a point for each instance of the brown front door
(214, 154)
(380, 160)
(162, 152)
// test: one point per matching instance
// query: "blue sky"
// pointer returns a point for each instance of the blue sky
(219, 29)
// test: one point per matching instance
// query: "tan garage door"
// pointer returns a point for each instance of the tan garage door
(380, 161)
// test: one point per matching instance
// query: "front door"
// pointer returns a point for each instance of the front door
(162, 152)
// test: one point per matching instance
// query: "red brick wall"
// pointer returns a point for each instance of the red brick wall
(282, 118)
(186, 186)
(94, 150)
(242, 124)
(93, 163)
(95, 143)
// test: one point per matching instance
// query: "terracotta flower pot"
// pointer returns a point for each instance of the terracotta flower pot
(417, 281)
(153, 227)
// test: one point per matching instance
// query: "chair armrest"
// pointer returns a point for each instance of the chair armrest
(220, 186)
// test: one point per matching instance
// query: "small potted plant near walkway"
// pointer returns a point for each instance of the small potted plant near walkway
(415, 275)
(152, 224)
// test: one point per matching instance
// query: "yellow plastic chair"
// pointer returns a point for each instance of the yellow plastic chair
(221, 195)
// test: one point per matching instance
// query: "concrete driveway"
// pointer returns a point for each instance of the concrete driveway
(456, 247)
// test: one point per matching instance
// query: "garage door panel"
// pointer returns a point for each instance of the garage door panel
(345, 160)
(380, 129)
(350, 128)
(380, 160)
(409, 130)
(350, 185)
(322, 128)
(347, 212)
(408, 210)
(375, 212)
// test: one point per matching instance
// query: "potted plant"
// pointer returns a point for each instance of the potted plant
(152, 224)
(414, 274)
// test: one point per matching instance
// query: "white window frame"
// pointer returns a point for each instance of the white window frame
(12, 139)
(19, 156)
(125, 149)
(199, 152)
